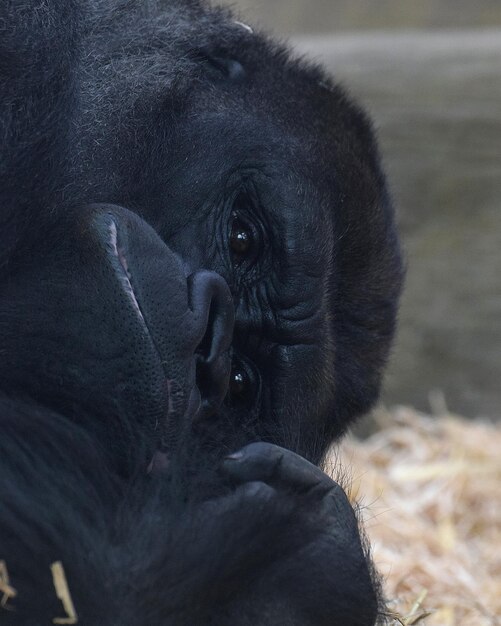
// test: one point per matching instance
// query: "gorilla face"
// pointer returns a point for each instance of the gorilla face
(114, 329)
(243, 162)
(266, 173)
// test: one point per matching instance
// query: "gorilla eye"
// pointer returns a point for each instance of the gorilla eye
(243, 387)
(239, 383)
(241, 239)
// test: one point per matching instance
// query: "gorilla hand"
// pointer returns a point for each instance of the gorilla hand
(327, 566)
(289, 549)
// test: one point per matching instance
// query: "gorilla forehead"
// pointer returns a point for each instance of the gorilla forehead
(147, 83)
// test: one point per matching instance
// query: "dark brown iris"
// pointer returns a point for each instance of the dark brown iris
(240, 239)
(238, 382)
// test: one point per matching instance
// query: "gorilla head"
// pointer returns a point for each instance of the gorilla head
(245, 163)
(176, 193)
(255, 166)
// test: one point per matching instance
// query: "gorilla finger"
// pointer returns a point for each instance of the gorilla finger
(255, 494)
(278, 467)
(254, 510)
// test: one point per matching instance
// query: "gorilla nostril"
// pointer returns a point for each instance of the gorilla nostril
(212, 305)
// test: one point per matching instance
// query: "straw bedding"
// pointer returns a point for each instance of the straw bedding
(429, 491)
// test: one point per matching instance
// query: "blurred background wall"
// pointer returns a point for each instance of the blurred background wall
(429, 72)
(332, 16)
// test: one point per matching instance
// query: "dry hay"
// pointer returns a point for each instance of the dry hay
(429, 489)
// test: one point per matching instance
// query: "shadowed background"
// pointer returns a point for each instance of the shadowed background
(429, 72)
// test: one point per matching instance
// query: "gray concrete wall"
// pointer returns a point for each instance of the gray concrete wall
(329, 16)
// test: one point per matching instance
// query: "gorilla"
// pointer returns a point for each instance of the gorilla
(199, 278)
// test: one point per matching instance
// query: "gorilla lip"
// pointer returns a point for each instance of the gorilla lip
(170, 408)
(165, 405)
(125, 276)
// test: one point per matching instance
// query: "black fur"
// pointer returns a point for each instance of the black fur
(179, 114)
(281, 546)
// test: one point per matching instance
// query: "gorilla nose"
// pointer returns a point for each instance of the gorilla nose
(212, 305)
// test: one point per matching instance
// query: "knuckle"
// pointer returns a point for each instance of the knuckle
(258, 491)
